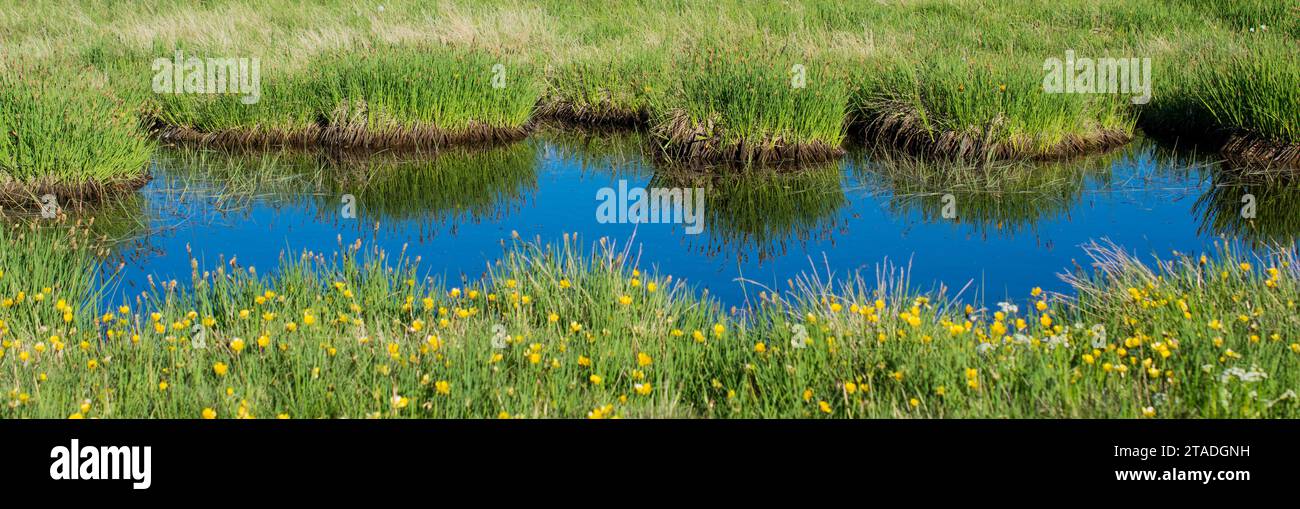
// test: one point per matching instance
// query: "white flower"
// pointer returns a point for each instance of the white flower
(499, 336)
(1240, 374)
(1098, 335)
(1008, 308)
(800, 339)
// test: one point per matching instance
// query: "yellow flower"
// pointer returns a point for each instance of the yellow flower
(92, 364)
(824, 406)
(220, 368)
(443, 387)
(595, 379)
(807, 393)
(237, 345)
(1149, 412)
(552, 318)
(760, 347)
(719, 329)
(651, 287)
(914, 402)
(162, 386)
(643, 360)
(643, 388)
(583, 360)
(209, 413)
(850, 387)
(625, 300)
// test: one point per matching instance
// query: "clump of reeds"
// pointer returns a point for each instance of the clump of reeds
(425, 97)
(387, 97)
(1241, 100)
(983, 109)
(284, 115)
(606, 90)
(754, 106)
(62, 136)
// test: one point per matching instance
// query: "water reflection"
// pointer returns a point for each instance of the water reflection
(1260, 211)
(762, 213)
(1015, 226)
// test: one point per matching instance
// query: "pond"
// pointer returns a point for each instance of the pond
(1003, 234)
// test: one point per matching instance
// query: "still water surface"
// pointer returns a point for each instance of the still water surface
(455, 209)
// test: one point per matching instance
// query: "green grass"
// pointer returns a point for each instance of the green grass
(754, 105)
(955, 77)
(286, 113)
(401, 95)
(388, 97)
(616, 88)
(1254, 92)
(563, 331)
(61, 134)
(988, 108)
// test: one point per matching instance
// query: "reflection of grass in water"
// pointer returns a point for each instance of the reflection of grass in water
(1003, 198)
(761, 210)
(1276, 208)
(614, 152)
(451, 186)
(231, 180)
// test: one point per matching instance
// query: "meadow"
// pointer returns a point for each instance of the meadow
(747, 82)
(575, 330)
(948, 96)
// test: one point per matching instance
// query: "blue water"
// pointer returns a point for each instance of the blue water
(1137, 198)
